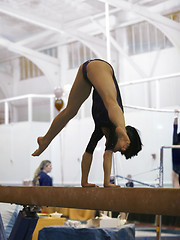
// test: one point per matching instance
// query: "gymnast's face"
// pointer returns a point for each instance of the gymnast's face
(48, 168)
(122, 146)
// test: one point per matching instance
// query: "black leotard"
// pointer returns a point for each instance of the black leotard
(100, 115)
(176, 152)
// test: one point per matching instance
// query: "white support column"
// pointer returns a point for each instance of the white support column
(157, 94)
(51, 109)
(29, 109)
(82, 111)
(6, 116)
(108, 43)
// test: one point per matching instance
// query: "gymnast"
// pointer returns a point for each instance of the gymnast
(107, 111)
(176, 152)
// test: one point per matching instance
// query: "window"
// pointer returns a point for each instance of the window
(51, 52)
(144, 37)
(78, 53)
(29, 70)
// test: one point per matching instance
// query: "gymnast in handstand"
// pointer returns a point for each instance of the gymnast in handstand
(108, 115)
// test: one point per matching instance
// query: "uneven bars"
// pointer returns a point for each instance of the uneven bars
(130, 179)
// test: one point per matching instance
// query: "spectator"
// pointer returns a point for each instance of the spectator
(41, 177)
(176, 153)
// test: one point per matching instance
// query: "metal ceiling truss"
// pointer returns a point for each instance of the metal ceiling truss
(50, 66)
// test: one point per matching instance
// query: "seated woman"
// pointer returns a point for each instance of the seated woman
(41, 177)
(107, 113)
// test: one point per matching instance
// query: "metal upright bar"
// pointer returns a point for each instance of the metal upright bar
(161, 168)
(158, 226)
(159, 217)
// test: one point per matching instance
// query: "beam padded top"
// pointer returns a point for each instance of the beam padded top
(159, 201)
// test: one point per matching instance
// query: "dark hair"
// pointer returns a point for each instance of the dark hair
(135, 145)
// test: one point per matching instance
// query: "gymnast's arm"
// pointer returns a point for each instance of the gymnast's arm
(87, 157)
(95, 137)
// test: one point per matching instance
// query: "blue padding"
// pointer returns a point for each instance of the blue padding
(23, 227)
(2, 231)
(126, 232)
(11, 222)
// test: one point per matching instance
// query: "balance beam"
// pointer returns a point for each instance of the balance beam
(158, 201)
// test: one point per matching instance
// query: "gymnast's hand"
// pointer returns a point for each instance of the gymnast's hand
(110, 185)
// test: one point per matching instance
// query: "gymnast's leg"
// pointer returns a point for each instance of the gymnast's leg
(100, 75)
(175, 179)
(78, 94)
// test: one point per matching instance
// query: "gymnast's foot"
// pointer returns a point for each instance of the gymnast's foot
(43, 144)
(109, 185)
(123, 141)
(89, 185)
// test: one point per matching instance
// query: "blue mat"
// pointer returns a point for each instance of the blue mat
(126, 232)
(2, 231)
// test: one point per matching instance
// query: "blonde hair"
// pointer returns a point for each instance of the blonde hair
(38, 170)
